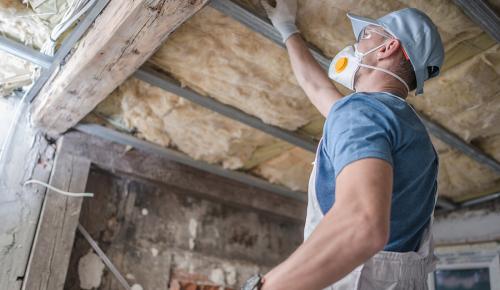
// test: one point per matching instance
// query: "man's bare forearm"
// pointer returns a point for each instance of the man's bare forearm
(311, 76)
(352, 231)
(336, 247)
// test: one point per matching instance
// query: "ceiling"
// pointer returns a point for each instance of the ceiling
(220, 58)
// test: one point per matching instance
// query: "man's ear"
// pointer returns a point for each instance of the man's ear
(391, 47)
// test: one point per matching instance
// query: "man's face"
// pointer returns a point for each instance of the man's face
(372, 36)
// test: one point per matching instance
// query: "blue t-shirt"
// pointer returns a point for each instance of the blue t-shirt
(382, 125)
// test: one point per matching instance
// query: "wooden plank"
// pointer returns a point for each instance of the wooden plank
(57, 225)
(124, 36)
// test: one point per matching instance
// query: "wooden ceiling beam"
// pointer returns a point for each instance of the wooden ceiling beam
(122, 38)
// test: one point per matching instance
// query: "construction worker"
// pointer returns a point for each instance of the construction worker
(373, 187)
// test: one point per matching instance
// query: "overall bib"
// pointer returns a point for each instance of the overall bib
(385, 270)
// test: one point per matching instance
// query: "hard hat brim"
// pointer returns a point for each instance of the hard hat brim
(360, 22)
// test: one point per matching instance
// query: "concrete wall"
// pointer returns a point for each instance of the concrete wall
(163, 237)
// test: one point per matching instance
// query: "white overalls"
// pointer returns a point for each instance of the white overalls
(385, 270)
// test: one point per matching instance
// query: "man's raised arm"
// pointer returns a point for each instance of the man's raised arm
(310, 75)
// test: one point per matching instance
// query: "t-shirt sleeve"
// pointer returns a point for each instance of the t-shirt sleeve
(359, 130)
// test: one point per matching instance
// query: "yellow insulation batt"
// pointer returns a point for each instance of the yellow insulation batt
(219, 57)
(222, 59)
(292, 169)
(29, 26)
(168, 120)
(14, 73)
(461, 177)
(466, 99)
(324, 22)
(17, 23)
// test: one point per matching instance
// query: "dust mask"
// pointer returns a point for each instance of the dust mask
(347, 62)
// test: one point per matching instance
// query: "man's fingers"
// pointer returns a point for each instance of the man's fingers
(269, 9)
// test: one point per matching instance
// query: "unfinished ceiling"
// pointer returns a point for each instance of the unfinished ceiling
(220, 58)
(30, 24)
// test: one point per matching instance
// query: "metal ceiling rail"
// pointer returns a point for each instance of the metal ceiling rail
(446, 204)
(25, 52)
(66, 46)
(263, 27)
(481, 13)
(260, 25)
(126, 139)
(482, 199)
(163, 81)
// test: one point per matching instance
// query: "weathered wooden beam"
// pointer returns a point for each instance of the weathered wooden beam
(55, 234)
(152, 164)
(123, 37)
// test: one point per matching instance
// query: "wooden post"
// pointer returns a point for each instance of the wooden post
(55, 234)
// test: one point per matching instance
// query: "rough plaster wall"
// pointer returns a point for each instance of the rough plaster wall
(478, 223)
(27, 156)
(219, 57)
(168, 120)
(155, 232)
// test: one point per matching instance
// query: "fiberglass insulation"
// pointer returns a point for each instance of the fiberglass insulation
(324, 22)
(220, 58)
(29, 26)
(466, 100)
(168, 120)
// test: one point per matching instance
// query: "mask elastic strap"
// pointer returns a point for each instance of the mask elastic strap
(362, 54)
(387, 72)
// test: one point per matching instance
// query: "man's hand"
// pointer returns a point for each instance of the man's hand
(311, 77)
(283, 16)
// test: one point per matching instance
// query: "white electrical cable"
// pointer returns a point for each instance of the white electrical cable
(72, 194)
(76, 10)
